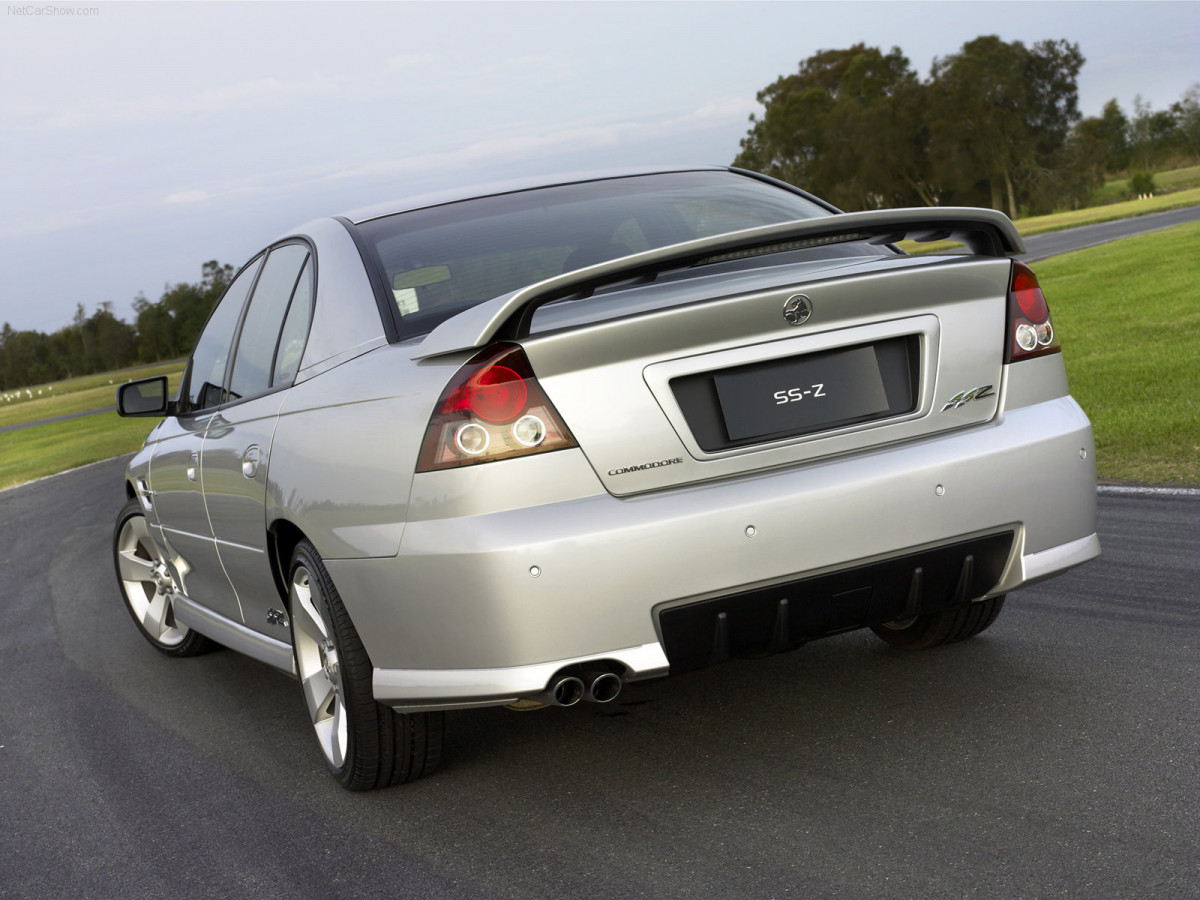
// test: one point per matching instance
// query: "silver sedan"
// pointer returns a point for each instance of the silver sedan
(522, 445)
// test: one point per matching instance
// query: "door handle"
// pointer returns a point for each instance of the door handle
(191, 469)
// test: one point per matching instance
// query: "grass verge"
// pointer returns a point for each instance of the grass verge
(1127, 315)
(1093, 215)
(42, 450)
(45, 449)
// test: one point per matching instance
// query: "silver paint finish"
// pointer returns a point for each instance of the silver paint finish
(610, 382)
(1048, 563)
(422, 689)
(235, 636)
(236, 503)
(182, 529)
(345, 450)
(346, 320)
(606, 562)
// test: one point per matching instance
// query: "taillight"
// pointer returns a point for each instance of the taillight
(492, 409)
(1030, 329)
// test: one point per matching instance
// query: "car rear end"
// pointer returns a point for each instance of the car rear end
(684, 455)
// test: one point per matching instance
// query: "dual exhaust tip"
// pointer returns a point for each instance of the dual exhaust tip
(595, 687)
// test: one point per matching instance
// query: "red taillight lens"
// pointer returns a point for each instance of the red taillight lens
(495, 393)
(1030, 331)
(492, 409)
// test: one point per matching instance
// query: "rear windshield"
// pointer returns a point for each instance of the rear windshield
(444, 259)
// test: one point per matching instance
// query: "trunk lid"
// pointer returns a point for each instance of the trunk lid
(706, 376)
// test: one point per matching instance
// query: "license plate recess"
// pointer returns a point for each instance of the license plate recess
(800, 395)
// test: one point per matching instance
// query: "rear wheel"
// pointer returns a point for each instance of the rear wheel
(148, 585)
(365, 744)
(934, 629)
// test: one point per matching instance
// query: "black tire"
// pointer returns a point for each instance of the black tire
(364, 744)
(146, 585)
(946, 627)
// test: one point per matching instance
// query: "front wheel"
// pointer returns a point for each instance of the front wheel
(945, 627)
(365, 744)
(147, 586)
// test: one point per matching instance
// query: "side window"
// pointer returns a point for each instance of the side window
(206, 374)
(255, 357)
(295, 329)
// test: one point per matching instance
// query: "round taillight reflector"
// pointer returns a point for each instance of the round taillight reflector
(1027, 338)
(472, 439)
(529, 431)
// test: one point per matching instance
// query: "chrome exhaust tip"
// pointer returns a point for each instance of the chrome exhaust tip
(566, 691)
(604, 688)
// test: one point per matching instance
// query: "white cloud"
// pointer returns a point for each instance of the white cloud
(408, 61)
(187, 197)
(561, 143)
(165, 109)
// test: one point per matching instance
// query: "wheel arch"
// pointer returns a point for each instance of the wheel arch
(283, 535)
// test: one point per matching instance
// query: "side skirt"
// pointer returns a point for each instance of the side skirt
(234, 635)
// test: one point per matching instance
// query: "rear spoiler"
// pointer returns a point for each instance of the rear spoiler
(986, 232)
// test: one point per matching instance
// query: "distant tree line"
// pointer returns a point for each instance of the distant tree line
(995, 124)
(166, 329)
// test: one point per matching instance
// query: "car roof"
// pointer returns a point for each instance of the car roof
(439, 198)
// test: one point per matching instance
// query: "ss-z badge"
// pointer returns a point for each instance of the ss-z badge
(962, 398)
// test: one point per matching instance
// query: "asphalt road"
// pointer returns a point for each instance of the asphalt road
(1058, 754)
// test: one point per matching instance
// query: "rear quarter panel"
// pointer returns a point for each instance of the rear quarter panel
(346, 447)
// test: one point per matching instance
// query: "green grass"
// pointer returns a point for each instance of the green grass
(47, 449)
(1094, 214)
(1129, 321)
(60, 398)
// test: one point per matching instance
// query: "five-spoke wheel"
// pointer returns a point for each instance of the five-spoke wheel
(149, 587)
(318, 668)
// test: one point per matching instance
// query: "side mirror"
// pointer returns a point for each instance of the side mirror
(147, 397)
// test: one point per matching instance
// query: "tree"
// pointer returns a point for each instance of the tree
(1153, 136)
(848, 125)
(1103, 141)
(99, 342)
(114, 343)
(1000, 114)
(24, 358)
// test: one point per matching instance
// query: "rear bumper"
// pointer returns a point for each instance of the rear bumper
(482, 609)
(423, 690)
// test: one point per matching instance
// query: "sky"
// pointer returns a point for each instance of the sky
(139, 140)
